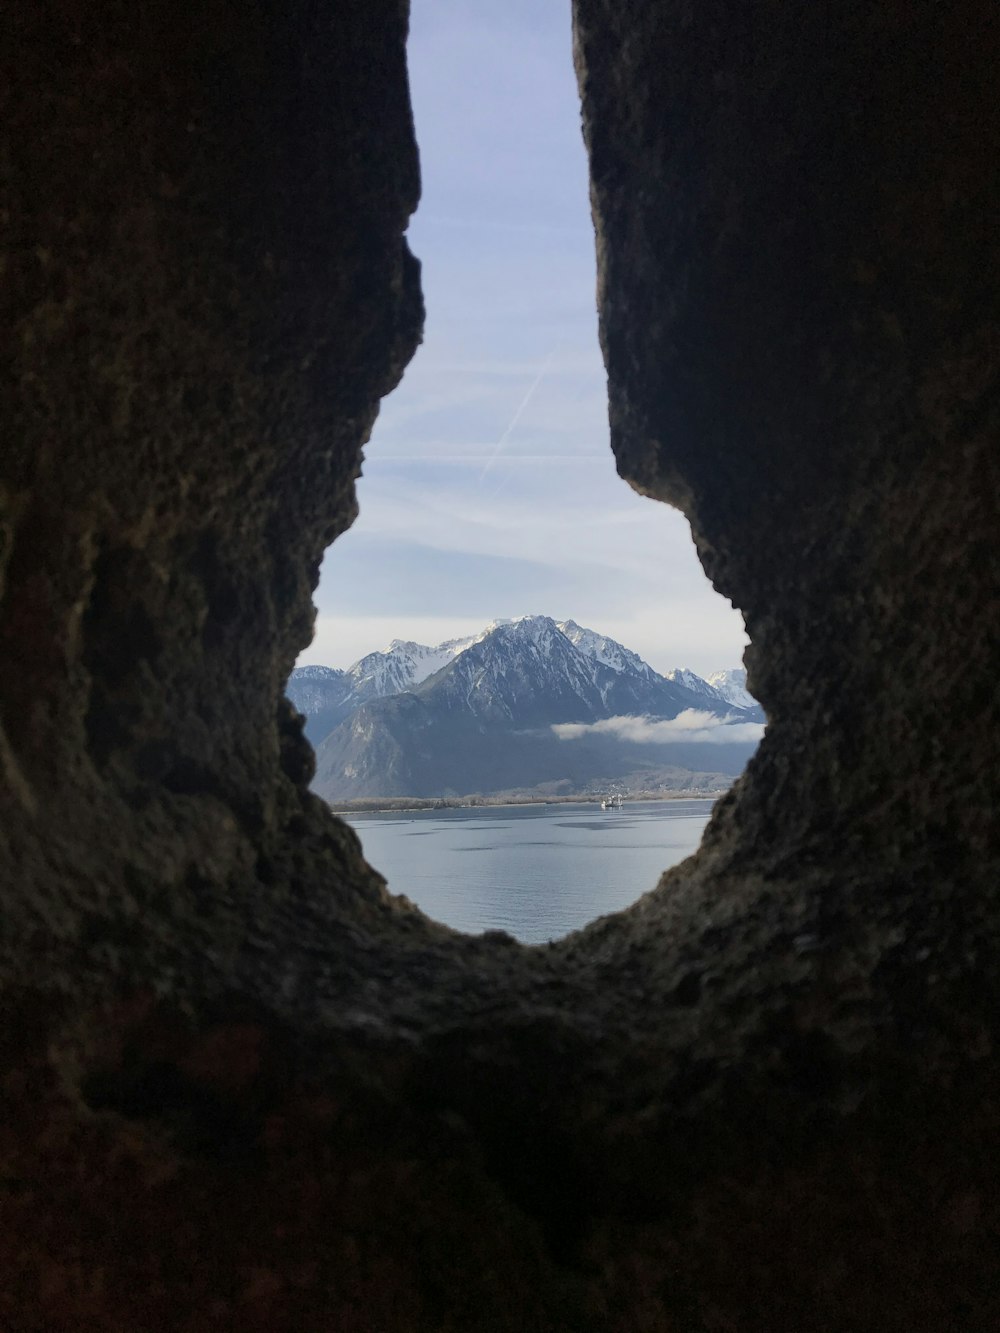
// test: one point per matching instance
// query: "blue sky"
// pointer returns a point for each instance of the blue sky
(489, 487)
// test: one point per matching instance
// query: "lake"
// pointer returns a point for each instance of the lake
(535, 871)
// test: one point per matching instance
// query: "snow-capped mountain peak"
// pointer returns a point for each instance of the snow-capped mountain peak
(318, 673)
(732, 686)
(604, 650)
(524, 667)
(690, 680)
(527, 666)
(401, 666)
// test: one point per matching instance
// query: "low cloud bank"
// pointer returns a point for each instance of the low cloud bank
(691, 725)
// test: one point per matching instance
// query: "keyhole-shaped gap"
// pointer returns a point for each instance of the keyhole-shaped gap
(493, 527)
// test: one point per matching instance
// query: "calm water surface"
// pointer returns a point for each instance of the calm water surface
(536, 871)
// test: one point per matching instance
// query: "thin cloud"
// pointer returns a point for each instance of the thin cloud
(520, 408)
(691, 725)
(500, 145)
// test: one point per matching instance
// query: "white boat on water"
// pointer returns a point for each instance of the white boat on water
(613, 802)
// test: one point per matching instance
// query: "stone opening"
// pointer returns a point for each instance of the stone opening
(489, 491)
(242, 1084)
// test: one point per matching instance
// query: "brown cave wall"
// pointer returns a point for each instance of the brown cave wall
(799, 315)
(207, 291)
(240, 1083)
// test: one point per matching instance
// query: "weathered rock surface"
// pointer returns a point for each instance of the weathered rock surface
(243, 1085)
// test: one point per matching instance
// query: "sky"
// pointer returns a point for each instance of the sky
(489, 488)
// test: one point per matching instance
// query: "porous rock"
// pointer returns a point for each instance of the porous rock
(242, 1082)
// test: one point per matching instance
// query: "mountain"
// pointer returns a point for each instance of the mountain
(525, 703)
(320, 693)
(732, 686)
(326, 696)
(684, 676)
(529, 672)
(404, 664)
(605, 650)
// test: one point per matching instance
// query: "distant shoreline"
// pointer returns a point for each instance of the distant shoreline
(410, 804)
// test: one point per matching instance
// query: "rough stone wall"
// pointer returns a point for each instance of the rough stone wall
(799, 302)
(206, 293)
(241, 1083)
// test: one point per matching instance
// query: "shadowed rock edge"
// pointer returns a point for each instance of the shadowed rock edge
(243, 1082)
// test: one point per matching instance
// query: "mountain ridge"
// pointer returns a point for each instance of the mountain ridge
(490, 712)
(319, 690)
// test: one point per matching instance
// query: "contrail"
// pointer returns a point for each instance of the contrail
(517, 415)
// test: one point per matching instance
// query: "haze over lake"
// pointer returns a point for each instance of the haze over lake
(537, 871)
